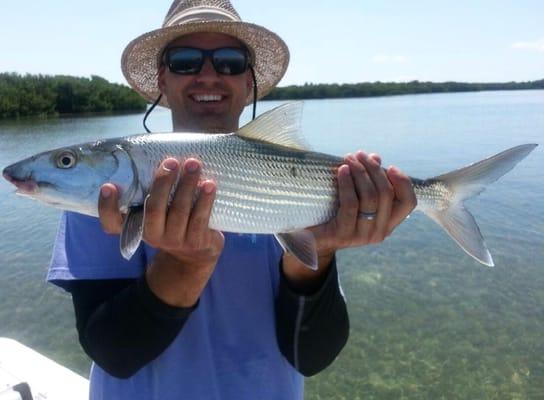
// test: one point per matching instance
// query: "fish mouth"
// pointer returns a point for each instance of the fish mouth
(26, 186)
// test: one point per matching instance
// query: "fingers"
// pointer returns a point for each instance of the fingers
(367, 195)
(366, 190)
(405, 198)
(182, 225)
(182, 204)
(200, 218)
(349, 204)
(364, 186)
(157, 202)
(108, 209)
(384, 193)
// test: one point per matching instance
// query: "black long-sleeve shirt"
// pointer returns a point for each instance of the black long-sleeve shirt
(123, 325)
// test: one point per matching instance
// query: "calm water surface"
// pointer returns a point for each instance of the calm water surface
(427, 321)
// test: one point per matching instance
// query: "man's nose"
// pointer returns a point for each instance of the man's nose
(207, 72)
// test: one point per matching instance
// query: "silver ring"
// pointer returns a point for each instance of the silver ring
(369, 216)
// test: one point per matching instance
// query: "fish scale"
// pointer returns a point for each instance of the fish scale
(432, 194)
(259, 189)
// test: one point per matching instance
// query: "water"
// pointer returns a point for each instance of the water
(427, 321)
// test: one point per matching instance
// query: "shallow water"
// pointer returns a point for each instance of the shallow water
(427, 321)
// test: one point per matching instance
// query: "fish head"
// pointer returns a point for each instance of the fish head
(70, 177)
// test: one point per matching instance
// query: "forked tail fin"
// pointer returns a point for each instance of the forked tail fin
(467, 182)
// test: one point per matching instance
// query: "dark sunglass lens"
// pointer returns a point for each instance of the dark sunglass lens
(185, 60)
(230, 61)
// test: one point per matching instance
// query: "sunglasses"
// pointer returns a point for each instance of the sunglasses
(189, 60)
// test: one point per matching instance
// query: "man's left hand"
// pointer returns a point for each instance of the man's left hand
(373, 201)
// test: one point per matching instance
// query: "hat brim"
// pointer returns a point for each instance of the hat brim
(140, 60)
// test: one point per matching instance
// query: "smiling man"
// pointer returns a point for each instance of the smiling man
(197, 313)
(202, 101)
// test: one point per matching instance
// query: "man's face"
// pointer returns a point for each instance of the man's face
(189, 95)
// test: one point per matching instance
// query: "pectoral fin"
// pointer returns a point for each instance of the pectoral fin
(133, 229)
(301, 244)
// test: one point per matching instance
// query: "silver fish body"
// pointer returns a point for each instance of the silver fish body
(261, 187)
(268, 181)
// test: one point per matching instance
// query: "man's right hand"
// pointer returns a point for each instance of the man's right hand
(188, 248)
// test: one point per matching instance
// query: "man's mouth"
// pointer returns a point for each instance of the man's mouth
(207, 98)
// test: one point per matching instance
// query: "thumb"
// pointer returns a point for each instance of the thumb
(108, 209)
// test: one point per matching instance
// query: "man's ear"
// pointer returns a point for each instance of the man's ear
(160, 78)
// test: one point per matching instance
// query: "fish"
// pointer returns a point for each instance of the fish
(268, 179)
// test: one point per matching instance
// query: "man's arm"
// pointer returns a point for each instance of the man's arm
(312, 326)
(122, 325)
(125, 324)
(312, 319)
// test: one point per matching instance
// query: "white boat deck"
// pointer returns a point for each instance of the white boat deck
(47, 380)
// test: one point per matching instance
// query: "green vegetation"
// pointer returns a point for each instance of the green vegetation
(41, 95)
(372, 89)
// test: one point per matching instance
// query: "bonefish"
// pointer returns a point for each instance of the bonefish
(268, 181)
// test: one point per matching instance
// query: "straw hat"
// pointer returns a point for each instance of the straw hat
(141, 58)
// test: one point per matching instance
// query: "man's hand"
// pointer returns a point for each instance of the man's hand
(188, 249)
(364, 189)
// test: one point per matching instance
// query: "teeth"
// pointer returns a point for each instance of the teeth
(207, 97)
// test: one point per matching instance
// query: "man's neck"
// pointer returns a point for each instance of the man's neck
(203, 127)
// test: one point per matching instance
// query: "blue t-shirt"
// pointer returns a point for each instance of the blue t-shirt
(227, 348)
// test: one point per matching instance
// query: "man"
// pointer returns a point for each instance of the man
(197, 313)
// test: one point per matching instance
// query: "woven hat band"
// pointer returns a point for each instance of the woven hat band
(200, 14)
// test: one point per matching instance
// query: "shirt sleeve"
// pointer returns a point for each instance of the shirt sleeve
(122, 324)
(312, 330)
(83, 250)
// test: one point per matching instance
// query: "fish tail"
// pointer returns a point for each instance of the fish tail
(463, 184)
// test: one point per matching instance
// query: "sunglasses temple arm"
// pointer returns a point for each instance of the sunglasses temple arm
(254, 91)
(149, 112)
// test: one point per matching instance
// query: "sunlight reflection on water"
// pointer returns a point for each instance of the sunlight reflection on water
(399, 291)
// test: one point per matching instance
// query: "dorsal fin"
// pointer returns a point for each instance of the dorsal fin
(280, 126)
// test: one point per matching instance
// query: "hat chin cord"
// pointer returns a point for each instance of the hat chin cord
(160, 97)
(149, 112)
(254, 91)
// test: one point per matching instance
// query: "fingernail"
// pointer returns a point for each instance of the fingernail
(170, 165)
(376, 158)
(105, 192)
(191, 166)
(360, 155)
(208, 187)
(344, 170)
(393, 169)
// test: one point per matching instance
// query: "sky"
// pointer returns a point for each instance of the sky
(341, 41)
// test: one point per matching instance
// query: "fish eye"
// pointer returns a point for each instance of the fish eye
(66, 159)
